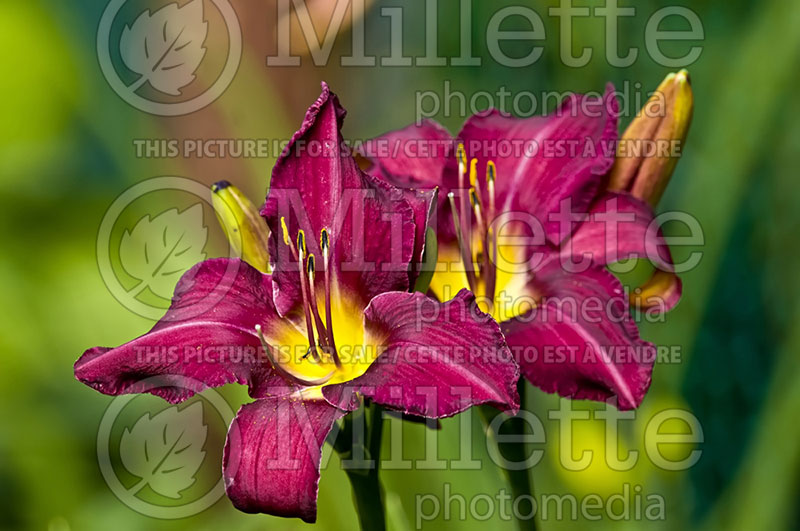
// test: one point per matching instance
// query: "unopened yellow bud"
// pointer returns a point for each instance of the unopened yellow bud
(246, 230)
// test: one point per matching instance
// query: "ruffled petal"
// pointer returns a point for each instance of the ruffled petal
(438, 359)
(206, 339)
(272, 456)
(412, 157)
(620, 227)
(581, 341)
(316, 184)
(543, 161)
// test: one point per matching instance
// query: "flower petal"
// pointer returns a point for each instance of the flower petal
(206, 339)
(622, 227)
(618, 227)
(272, 456)
(574, 148)
(660, 293)
(581, 342)
(412, 157)
(439, 358)
(316, 184)
(423, 203)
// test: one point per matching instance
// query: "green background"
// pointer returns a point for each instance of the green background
(66, 151)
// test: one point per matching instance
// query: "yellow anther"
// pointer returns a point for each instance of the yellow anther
(491, 171)
(286, 239)
(473, 172)
(461, 155)
(301, 242)
(323, 240)
(473, 197)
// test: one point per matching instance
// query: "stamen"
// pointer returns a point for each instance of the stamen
(461, 155)
(462, 247)
(310, 268)
(463, 222)
(287, 240)
(491, 175)
(324, 336)
(491, 237)
(312, 343)
(473, 181)
(323, 241)
(483, 257)
(476, 209)
(324, 245)
(285, 371)
(476, 205)
(473, 172)
(461, 218)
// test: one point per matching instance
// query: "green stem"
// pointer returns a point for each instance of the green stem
(513, 452)
(362, 448)
(371, 512)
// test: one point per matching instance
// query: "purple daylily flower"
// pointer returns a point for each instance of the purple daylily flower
(333, 323)
(516, 239)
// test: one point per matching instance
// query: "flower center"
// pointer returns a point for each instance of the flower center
(321, 361)
(495, 273)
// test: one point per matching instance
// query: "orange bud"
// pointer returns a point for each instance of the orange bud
(650, 147)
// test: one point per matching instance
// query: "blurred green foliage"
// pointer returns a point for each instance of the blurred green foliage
(66, 152)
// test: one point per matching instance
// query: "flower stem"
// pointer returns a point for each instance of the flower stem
(371, 512)
(519, 479)
(359, 446)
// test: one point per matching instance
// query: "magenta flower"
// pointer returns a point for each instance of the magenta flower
(529, 228)
(333, 324)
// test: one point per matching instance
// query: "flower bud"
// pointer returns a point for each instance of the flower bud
(650, 147)
(246, 230)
